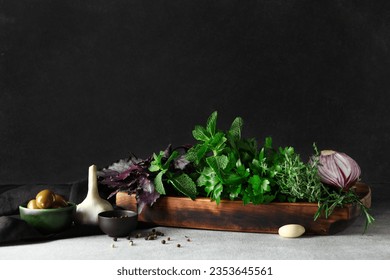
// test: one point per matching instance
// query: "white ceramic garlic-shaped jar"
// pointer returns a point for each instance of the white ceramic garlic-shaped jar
(88, 210)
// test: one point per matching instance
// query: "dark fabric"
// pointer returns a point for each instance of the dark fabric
(14, 230)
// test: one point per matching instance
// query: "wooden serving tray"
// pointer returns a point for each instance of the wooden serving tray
(234, 216)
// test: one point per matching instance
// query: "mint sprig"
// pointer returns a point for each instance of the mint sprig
(223, 159)
(168, 167)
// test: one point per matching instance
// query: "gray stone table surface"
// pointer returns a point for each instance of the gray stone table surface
(349, 244)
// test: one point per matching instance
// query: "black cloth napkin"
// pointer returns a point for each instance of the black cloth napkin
(14, 230)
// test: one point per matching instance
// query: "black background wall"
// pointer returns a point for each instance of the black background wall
(88, 82)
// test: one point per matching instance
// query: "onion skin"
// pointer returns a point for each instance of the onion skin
(338, 169)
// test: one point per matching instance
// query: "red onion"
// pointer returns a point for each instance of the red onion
(338, 169)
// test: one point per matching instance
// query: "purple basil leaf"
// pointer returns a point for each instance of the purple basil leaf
(121, 165)
(181, 162)
(168, 151)
(148, 195)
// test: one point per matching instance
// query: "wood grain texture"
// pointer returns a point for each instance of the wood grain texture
(234, 216)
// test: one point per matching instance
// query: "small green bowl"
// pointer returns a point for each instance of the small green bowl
(49, 220)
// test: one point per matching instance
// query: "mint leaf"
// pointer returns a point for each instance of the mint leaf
(200, 133)
(191, 154)
(212, 123)
(201, 152)
(268, 143)
(155, 165)
(208, 177)
(217, 141)
(184, 184)
(235, 129)
(218, 163)
(217, 193)
(196, 153)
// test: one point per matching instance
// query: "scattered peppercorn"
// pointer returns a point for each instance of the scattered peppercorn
(178, 245)
(189, 240)
(115, 239)
(150, 237)
(163, 241)
(169, 239)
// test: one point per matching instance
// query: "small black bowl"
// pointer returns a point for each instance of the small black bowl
(118, 223)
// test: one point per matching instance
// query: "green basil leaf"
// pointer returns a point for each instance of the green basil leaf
(158, 183)
(173, 156)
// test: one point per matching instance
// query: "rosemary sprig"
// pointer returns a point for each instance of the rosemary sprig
(333, 199)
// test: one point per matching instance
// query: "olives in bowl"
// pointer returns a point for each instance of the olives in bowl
(48, 212)
(47, 199)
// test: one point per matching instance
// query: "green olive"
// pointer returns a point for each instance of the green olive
(59, 201)
(45, 199)
(32, 204)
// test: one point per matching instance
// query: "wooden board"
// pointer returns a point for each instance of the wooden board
(234, 216)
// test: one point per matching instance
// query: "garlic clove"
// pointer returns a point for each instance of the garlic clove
(291, 231)
(88, 210)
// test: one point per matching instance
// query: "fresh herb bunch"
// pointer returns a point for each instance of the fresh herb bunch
(146, 177)
(228, 165)
(224, 165)
(232, 167)
(131, 175)
(299, 181)
(169, 167)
